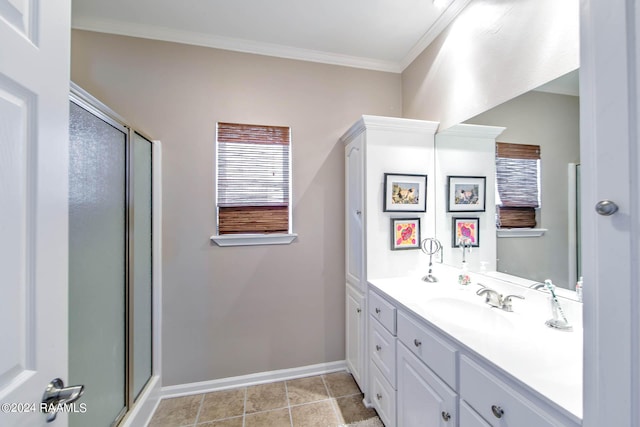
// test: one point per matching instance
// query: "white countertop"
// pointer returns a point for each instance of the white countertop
(547, 360)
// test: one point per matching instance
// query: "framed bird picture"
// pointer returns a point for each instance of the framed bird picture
(466, 193)
(405, 193)
(466, 230)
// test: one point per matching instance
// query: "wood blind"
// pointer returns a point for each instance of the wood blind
(253, 219)
(517, 151)
(517, 180)
(254, 134)
(253, 178)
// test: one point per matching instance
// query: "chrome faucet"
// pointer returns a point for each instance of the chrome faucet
(492, 297)
(465, 242)
(495, 298)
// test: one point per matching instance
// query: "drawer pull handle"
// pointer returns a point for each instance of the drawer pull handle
(378, 396)
(417, 342)
(378, 348)
(446, 416)
(498, 412)
(377, 310)
(358, 310)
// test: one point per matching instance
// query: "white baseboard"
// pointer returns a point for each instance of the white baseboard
(252, 379)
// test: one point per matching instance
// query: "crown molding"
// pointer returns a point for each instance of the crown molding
(269, 49)
(473, 131)
(232, 44)
(395, 124)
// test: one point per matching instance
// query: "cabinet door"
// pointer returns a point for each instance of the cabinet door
(354, 330)
(423, 398)
(354, 213)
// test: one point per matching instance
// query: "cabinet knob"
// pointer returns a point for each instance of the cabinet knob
(498, 412)
(378, 396)
(378, 348)
(358, 212)
(606, 207)
(446, 416)
(377, 310)
(358, 310)
(417, 342)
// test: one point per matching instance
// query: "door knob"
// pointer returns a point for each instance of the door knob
(57, 394)
(606, 207)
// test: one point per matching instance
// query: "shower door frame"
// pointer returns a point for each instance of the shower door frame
(137, 408)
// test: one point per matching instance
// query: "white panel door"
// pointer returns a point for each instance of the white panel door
(423, 398)
(354, 219)
(354, 330)
(34, 91)
(610, 127)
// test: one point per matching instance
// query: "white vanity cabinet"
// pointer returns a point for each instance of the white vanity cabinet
(440, 381)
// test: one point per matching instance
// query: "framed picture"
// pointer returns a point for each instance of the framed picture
(405, 233)
(405, 193)
(467, 229)
(466, 193)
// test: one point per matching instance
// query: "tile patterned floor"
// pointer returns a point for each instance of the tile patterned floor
(321, 401)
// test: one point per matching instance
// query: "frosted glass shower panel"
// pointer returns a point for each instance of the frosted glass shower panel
(97, 269)
(142, 275)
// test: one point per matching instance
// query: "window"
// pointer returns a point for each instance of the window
(253, 179)
(517, 184)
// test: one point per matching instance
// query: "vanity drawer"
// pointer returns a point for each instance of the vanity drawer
(469, 417)
(497, 402)
(433, 351)
(383, 350)
(383, 311)
(383, 397)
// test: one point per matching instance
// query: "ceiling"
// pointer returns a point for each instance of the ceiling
(569, 84)
(384, 35)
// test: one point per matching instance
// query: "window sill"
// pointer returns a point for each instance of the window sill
(521, 232)
(253, 239)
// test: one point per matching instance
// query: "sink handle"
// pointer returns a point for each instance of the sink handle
(507, 303)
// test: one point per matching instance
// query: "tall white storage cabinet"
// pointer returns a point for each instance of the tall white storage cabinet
(374, 146)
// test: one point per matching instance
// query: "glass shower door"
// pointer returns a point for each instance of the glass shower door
(97, 266)
(141, 282)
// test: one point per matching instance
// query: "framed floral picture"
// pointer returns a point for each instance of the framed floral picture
(466, 194)
(405, 193)
(466, 230)
(405, 233)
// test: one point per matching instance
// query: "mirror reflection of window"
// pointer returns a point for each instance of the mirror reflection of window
(517, 184)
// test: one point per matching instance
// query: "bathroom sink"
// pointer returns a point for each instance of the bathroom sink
(469, 314)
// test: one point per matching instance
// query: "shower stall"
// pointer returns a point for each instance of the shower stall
(111, 277)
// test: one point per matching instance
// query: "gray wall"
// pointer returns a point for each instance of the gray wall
(242, 310)
(553, 122)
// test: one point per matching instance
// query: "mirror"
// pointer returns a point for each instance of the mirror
(549, 117)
